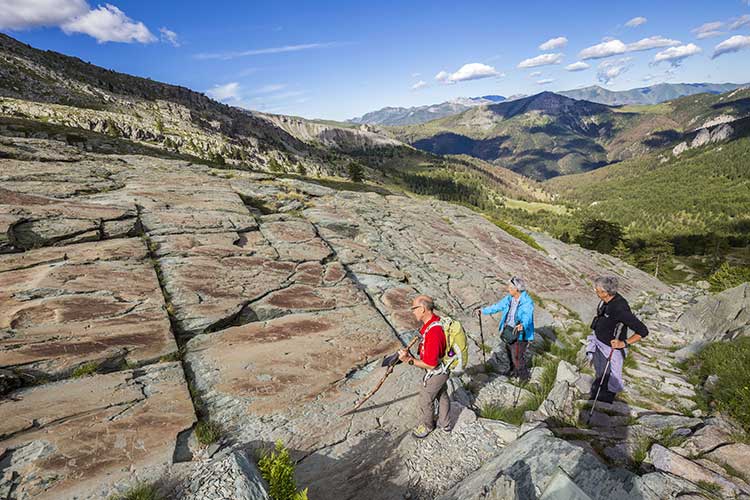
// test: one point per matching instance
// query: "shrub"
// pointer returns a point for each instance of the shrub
(355, 172)
(728, 277)
(277, 469)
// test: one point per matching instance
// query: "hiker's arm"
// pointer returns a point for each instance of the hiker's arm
(495, 308)
(405, 357)
(639, 329)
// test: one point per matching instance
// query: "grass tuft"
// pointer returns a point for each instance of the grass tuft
(141, 491)
(85, 370)
(207, 432)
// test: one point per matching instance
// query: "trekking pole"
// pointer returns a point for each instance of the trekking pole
(481, 337)
(604, 375)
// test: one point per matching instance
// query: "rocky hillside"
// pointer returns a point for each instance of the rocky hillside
(547, 135)
(57, 89)
(163, 320)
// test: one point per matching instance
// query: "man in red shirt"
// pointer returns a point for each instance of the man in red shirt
(431, 352)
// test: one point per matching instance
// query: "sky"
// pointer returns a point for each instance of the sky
(339, 59)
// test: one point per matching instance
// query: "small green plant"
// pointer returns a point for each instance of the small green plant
(85, 370)
(641, 450)
(710, 487)
(274, 165)
(141, 491)
(486, 348)
(277, 469)
(207, 432)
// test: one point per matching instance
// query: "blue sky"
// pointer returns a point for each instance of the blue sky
(339, 59)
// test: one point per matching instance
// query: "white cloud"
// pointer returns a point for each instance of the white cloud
(675, 55)
(22, 14)
(652, 42)
(414, 75)
(270, 50)
(740, 22)
(169, 36)
(577, 66)
(636, 21)
(471, 71)
(608, 71)
(604, 49)
(106, 23)
(227, 92)
(615, 47)
(554, 43)
(707, 30)
(545, 81)
(419, 85)
(534, 74)
(109, 24)
(541, 60)
(733, 44)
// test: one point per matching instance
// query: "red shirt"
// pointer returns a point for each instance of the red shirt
(432, 348)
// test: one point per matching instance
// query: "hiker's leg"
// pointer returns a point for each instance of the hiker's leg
(515, 359)
(600, 362)
(444, 402)
(523, 370)
(430, 391)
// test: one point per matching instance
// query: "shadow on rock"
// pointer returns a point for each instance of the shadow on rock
(365, 466)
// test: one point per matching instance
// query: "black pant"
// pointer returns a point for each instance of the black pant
(517, 355)
(600, 363)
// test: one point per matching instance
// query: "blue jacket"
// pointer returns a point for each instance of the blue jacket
(524, 314)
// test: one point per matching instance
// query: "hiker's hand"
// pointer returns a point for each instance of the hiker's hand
(519, 328)
(617, 344)
(404, 355)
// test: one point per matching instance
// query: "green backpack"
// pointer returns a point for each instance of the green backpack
(457, 349)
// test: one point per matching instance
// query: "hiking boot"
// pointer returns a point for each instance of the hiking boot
(421, 431)
(447, 429)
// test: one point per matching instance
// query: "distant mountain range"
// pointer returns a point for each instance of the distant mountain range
(548, 134)
(654, 94)
(422, 114)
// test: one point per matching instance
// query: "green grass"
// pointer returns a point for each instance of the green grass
(510, 415)
(85, 370)
(630, 362)
(712, 488)
(207, 432)
(515, 232)
(730, 361)
(141, 491)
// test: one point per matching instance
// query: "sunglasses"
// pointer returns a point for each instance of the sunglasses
(415, 307)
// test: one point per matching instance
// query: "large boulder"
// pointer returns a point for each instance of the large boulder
(723, 316)
(533, 461)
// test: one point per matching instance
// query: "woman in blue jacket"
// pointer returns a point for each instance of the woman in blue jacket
(517, 309)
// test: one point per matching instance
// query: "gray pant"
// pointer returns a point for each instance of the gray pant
(434, 389)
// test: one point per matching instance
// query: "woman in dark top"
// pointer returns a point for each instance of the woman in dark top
(610, 326)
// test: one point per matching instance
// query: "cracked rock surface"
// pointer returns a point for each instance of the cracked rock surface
(125, 279)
